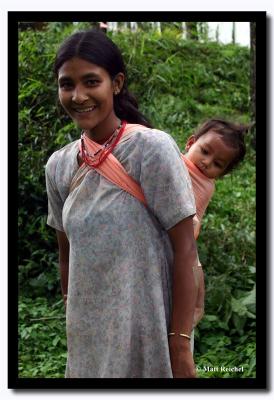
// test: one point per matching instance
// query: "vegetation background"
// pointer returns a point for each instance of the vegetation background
(179, 83)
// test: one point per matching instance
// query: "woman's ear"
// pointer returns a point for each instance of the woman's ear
(190, 142)
(118, 83)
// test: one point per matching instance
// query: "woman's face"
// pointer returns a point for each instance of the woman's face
(86, 93)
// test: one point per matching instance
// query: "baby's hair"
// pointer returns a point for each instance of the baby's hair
(95, 47)
(233, 135)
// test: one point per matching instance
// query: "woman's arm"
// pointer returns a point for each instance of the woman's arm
(63, 244)
(183, 298)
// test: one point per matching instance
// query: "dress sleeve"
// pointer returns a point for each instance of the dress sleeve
(165, 180)
(55, 203)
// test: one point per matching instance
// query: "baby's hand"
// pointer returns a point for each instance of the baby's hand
(198, 315)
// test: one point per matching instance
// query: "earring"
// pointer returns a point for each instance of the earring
(116, 91)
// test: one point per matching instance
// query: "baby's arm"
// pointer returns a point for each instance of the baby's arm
(196, 226)
(199, 308)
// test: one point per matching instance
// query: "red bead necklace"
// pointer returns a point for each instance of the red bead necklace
(94, 160)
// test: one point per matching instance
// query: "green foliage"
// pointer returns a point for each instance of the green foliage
(186, 81)
(42, 342)
(223, 362)
(179, 84)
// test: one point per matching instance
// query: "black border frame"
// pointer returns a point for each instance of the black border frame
(260, 382)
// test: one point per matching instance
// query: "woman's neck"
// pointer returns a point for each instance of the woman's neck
(104, 130)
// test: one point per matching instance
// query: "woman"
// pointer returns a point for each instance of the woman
(126, 265)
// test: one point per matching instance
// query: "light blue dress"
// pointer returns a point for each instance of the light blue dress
(120, 261)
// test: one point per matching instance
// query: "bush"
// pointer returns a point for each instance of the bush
(42, 342)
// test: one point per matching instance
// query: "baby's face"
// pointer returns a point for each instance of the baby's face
(210, 154)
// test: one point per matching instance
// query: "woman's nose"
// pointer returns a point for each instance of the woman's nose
(79, 96)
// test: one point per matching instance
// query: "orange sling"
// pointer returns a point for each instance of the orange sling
(111, 168)
(203, 189)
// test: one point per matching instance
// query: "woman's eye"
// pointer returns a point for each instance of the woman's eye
(65, 85)
(92, 82)
(218, 165)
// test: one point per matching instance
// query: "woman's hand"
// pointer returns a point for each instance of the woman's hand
(181, 358)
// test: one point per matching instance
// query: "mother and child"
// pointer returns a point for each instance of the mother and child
(127, 208)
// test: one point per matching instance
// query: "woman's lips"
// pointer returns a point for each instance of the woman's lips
(84, 110)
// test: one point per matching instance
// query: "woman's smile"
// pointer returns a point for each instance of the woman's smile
(84, 112)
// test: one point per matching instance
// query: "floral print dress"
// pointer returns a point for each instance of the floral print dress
(120, 261)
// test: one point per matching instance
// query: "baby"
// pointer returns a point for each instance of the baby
(213, 151)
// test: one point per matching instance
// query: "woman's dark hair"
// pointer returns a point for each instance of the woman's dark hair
(95, 47)
(232, 134)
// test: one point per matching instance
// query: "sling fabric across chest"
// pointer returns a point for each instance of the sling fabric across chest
(111, 168)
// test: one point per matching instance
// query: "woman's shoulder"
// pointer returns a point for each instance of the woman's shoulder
(150, 136)
(159, 141)
(66, 155)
